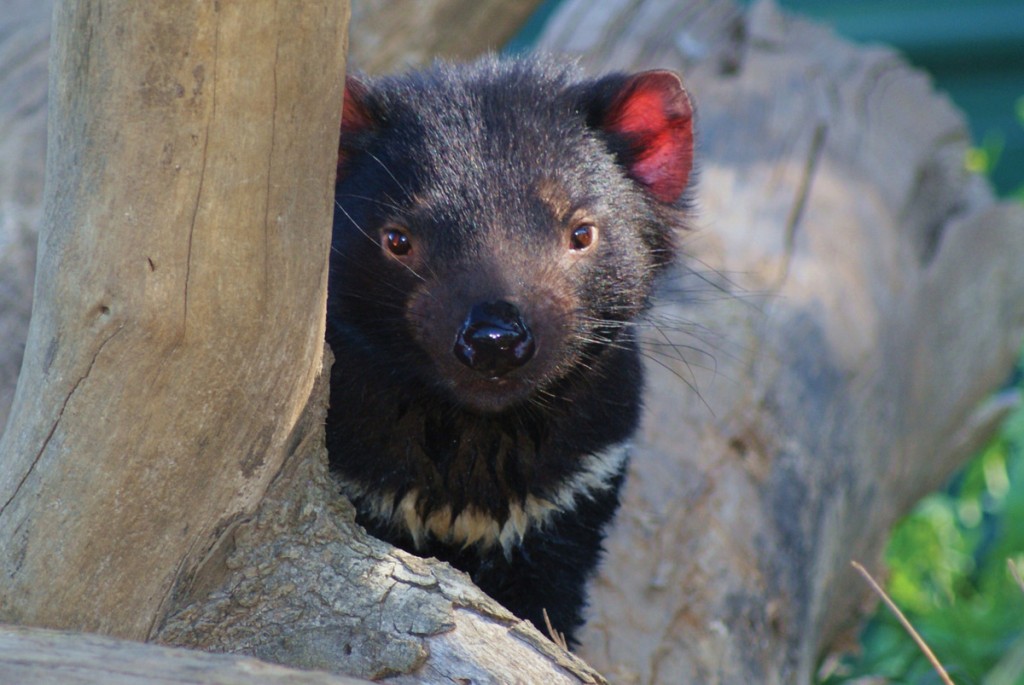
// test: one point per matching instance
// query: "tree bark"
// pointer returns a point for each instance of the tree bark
(178, 323)
(49, 657)
(389, 35)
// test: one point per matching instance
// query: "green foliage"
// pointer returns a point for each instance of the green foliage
(949, 574)
(948, 559)
(985, 158)
(1019, 111)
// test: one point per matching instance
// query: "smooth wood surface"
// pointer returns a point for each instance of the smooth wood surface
(177, 325)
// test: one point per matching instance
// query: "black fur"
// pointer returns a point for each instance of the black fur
(486, 169)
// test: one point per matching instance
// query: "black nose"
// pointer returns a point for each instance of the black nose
(494, 339)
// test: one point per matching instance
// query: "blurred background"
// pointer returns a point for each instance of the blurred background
(974, 50)
(948, 559)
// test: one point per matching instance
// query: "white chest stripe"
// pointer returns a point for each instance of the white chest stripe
(473, 526)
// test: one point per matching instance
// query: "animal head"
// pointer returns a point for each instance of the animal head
(499, 224)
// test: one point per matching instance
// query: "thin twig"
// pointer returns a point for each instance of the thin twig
(556, 636)
(1015, 573)
(906, 624)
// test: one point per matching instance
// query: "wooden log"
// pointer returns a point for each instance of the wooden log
(51, 657)
(387, 35)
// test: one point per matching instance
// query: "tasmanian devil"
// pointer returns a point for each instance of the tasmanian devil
(498, 230)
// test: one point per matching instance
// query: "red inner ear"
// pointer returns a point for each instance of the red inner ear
(354, 116)
(653, 112)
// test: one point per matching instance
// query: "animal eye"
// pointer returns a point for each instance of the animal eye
(583, 237)
(396, 241)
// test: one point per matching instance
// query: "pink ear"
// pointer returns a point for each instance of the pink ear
(354, 116)
(653, 113)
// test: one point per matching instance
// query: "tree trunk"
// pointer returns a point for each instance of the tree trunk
(181, 282)
(389, 35)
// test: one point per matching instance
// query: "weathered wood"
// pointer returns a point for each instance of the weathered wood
(178, 318)
(50, 657)
(388, 35)
(867, 299)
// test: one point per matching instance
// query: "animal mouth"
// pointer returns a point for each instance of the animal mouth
(494, 394)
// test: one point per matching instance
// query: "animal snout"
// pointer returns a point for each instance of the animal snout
(494, 339)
